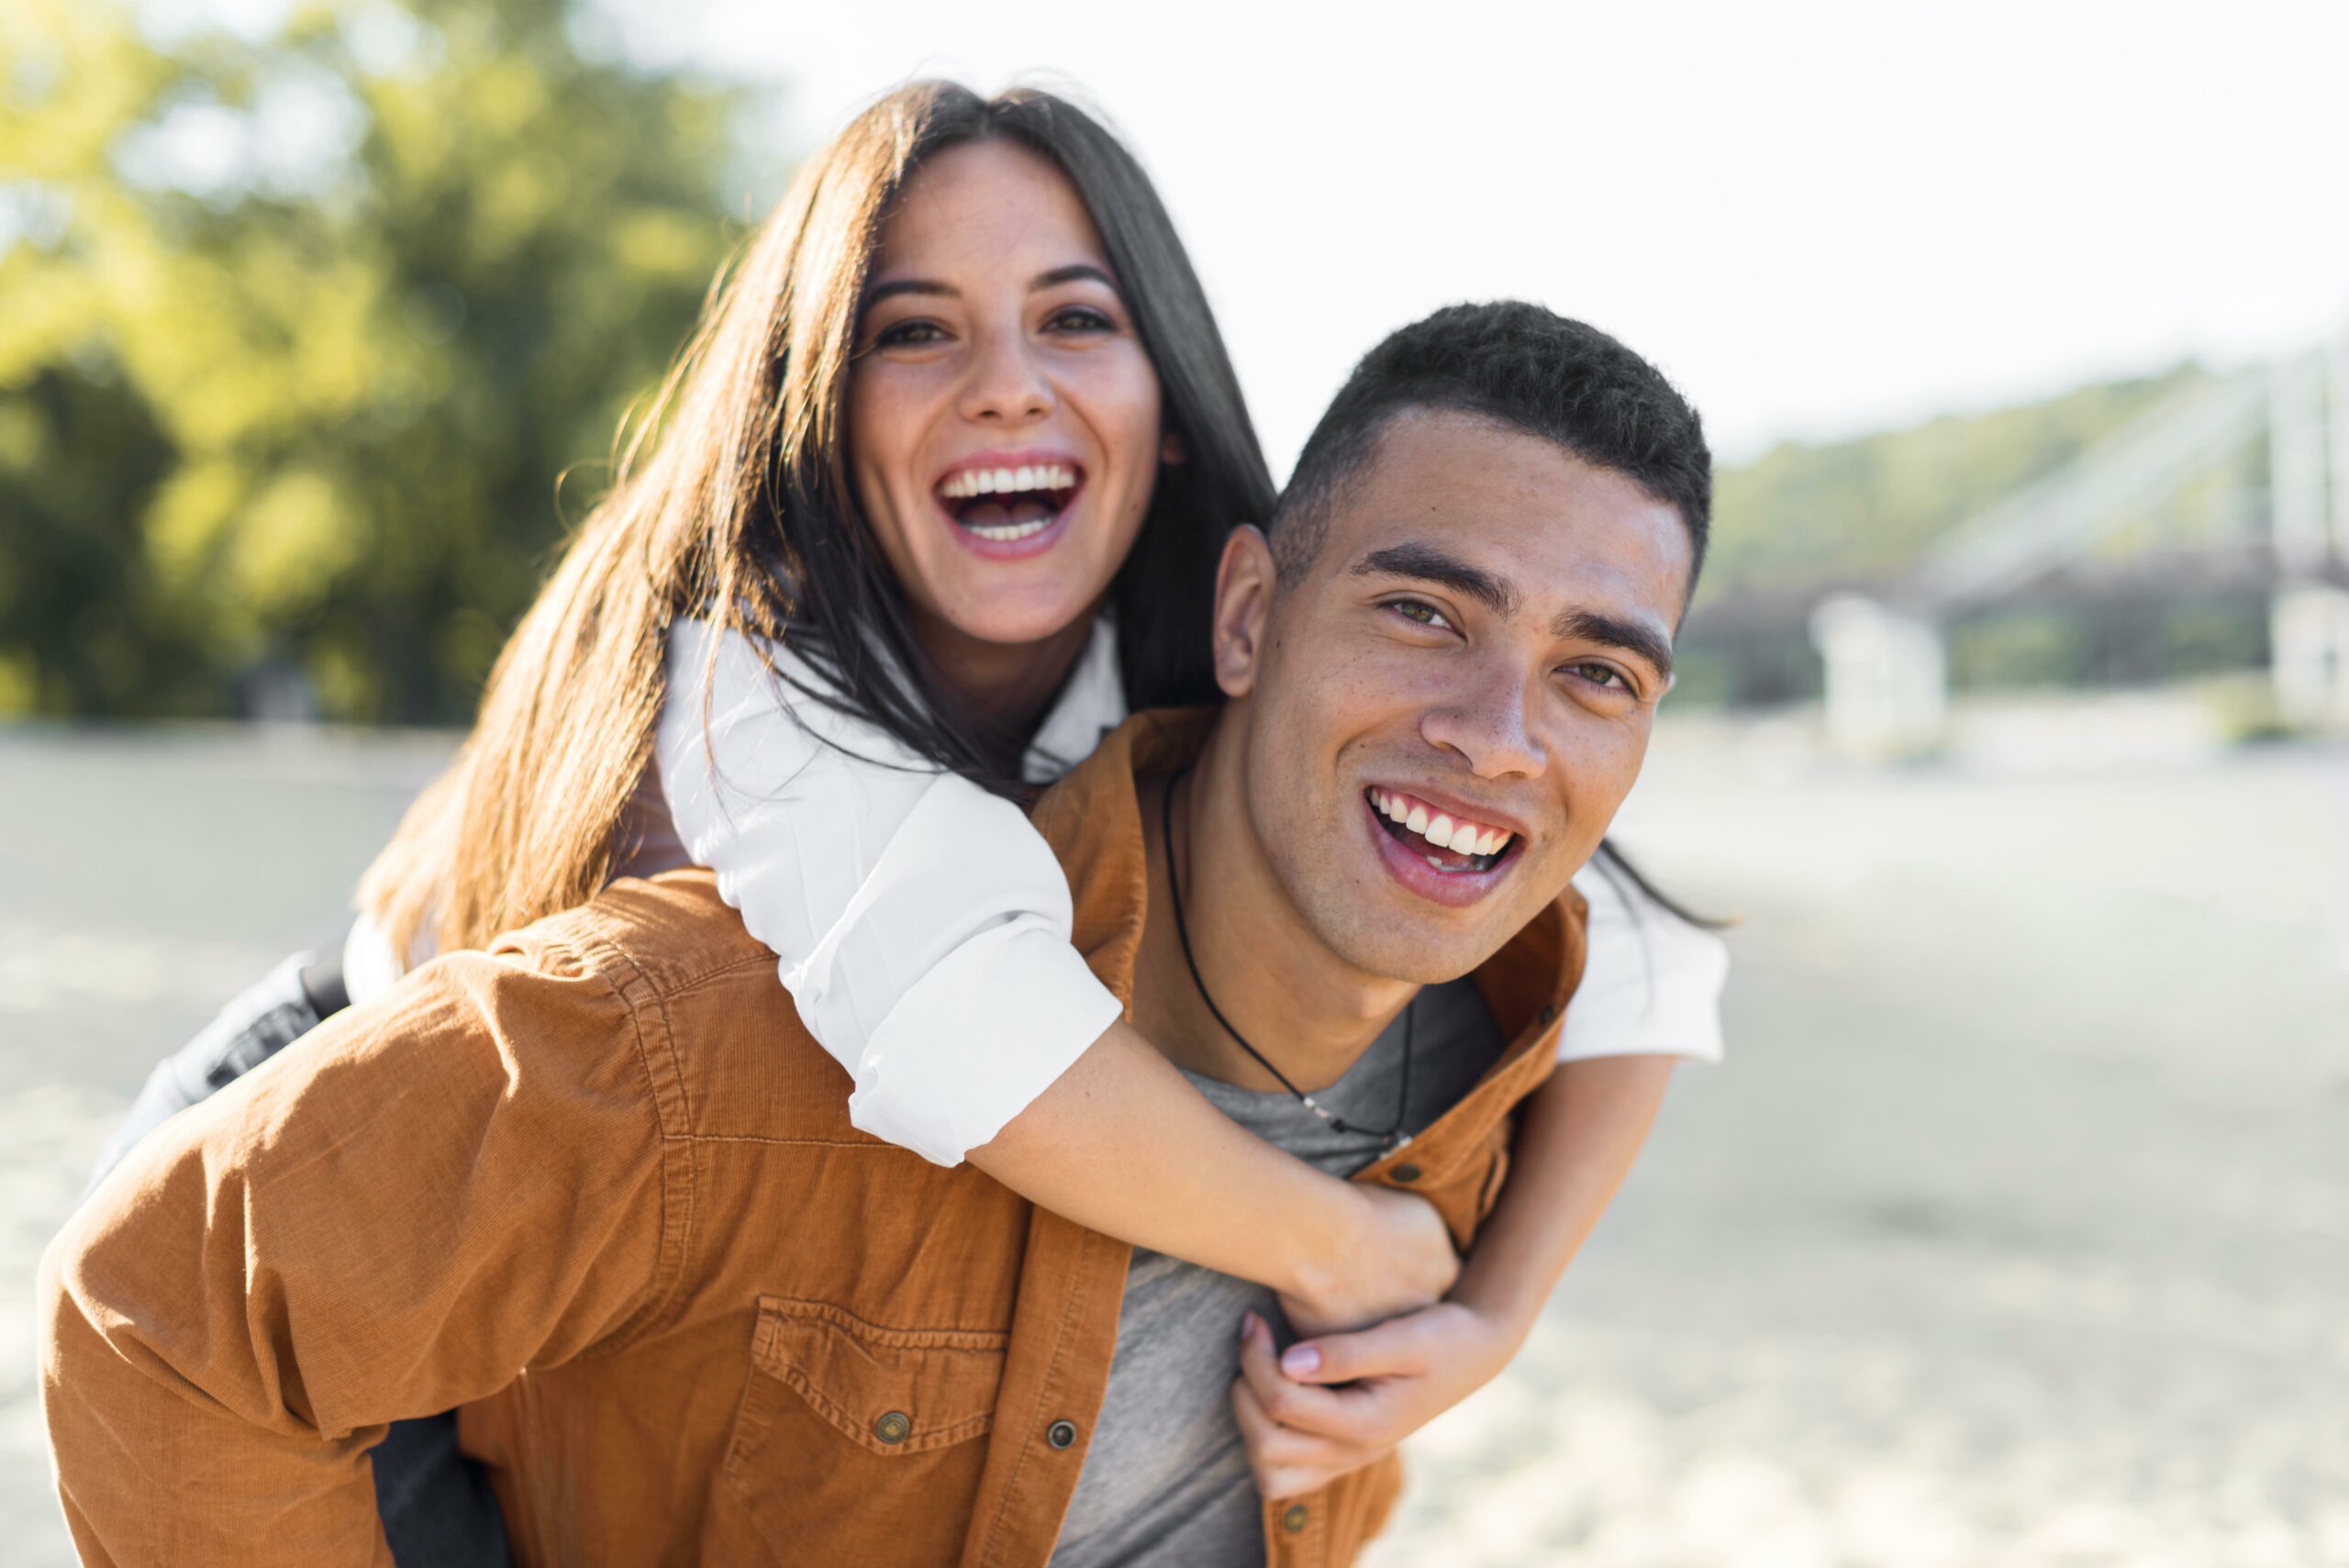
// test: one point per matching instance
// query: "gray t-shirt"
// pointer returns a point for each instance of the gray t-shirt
(1165, 1480)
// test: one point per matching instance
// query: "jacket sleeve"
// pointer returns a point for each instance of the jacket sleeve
(921, 925)
(439, 1191)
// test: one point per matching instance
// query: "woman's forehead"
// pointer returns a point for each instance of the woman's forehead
(984, 205)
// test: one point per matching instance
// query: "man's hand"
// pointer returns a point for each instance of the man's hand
(1346, 1399)
(1401, 1261)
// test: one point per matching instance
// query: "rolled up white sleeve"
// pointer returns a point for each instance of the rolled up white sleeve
(921, 924)
(1651, 981)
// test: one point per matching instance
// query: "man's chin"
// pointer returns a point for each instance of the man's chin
(1412, 951)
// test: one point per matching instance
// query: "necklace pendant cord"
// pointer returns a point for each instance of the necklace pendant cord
(1390, 1138)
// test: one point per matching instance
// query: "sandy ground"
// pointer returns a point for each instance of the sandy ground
(2015, 1231)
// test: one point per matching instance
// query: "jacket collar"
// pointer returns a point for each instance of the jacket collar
(1093, 821)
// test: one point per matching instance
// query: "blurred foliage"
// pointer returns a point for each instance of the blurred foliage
(299, 330)
(1806, 518)
(1857, 510)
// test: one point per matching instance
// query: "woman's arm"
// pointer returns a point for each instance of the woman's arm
(1650, 996)
(1576, 1140)
(1121, 1144)
(922, 926)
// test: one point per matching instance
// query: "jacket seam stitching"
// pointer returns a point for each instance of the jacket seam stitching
(1060, 1337)
(666, 1295)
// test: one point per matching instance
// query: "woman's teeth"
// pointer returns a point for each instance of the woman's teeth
(1005, 531)
(969, 481)
(1462, 837)
(1002, 504)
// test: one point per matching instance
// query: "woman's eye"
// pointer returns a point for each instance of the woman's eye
(1420, 611)
(1080, 319)
(904, 334)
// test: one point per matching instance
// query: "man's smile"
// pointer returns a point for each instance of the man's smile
(1443, 855)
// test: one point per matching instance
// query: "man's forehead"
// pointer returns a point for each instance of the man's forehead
(1557, 531)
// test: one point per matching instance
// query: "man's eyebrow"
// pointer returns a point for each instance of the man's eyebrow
(1430, 563)
(1613, 631)
(1076, 272)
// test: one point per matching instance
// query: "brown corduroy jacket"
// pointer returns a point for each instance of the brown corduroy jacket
(597, 1186)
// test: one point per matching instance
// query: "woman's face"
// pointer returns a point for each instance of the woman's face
(1003, 418)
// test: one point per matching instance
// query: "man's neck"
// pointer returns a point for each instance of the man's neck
(1310, 1012)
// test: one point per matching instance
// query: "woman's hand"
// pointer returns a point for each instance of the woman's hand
(1401, 1260)
(1346, 1399)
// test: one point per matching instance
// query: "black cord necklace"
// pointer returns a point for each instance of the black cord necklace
(1389, 1138)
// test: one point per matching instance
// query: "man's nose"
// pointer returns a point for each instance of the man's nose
(1007, 386)
(1487, 722)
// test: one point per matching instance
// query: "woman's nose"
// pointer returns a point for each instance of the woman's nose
(1007, 386)
(1487, 722)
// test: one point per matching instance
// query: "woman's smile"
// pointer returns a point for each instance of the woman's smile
(1010, 504)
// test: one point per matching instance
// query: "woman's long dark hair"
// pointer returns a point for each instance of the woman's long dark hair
(849, 614)
(731, 500)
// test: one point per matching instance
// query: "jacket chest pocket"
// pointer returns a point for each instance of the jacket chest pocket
(849, 1431)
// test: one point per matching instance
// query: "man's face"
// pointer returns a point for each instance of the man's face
(1475, 653)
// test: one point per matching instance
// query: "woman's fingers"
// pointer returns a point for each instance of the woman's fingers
(1284, 1460)
(1291, 1404)
(1392, 1348)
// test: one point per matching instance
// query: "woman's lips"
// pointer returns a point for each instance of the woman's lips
(1010, 506)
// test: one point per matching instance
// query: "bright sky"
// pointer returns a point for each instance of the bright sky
(1822, 217)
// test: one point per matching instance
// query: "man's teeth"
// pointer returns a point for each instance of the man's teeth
(969, 481)
(1462, 837)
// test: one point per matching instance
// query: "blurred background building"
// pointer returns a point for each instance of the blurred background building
(2014, 721)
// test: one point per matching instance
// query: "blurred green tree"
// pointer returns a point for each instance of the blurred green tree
(298, 330)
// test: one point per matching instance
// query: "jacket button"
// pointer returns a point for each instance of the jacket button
(1407, 1172)
(893, 1428)
(1294, 1519)
(1061, 1434)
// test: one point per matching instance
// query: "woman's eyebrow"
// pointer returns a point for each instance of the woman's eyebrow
(1076, 272)
(896, 286)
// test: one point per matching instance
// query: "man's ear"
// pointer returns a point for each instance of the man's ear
(1245, 582)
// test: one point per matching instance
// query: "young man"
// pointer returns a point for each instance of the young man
(592, 1184)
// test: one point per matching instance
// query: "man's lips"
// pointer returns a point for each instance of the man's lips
(1451, 877)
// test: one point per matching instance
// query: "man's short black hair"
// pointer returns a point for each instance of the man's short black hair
(1520, 366)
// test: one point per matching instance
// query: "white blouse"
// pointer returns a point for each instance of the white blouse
(922, 926)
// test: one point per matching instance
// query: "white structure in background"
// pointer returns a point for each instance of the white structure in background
(2310, 630)
(1888, 678)
(1886, 671)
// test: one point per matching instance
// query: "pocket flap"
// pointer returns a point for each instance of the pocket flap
(893, 1391)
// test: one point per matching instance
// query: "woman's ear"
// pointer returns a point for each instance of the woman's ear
(1245, 580)
(1171, 450)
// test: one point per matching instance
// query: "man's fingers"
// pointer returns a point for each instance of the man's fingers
(1290, 1403)
(1391, 1348)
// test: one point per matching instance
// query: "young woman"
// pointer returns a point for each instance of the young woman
(935, 497)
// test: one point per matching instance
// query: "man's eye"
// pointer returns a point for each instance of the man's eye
(1601, 674)
(1420, 611)
(904, 334)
